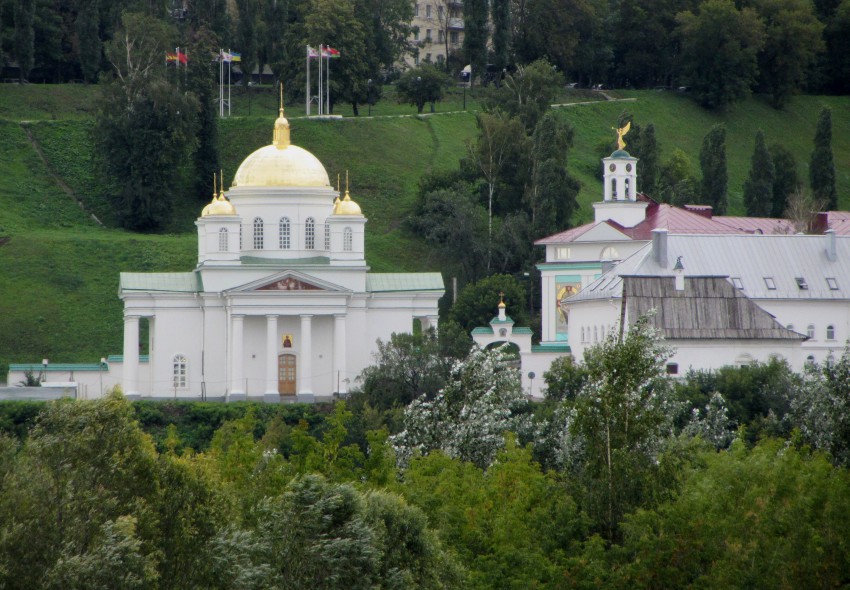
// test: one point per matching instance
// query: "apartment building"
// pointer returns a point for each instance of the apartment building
(440, 31)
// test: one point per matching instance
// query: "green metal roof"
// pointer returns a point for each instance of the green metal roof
(58, 367)
(119, 358)
(523, 331)
(551, 348)
(482, 331)
(257, 260)
(490, 331)
(175, 282)
(507, 320)
(378, 282)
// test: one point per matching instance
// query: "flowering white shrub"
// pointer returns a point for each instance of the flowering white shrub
(469, 416)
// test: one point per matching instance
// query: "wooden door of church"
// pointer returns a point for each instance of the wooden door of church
(286, 374)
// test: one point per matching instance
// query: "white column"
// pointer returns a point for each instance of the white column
(237, 383)
(339, 354)
(305, 372)
(432, 322)
(131, 355)
(271, 355)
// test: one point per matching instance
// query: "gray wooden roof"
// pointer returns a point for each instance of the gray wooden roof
(707, 308)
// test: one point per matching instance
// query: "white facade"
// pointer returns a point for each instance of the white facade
(281, 305)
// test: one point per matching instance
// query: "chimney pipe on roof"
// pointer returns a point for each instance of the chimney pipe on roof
(659, 247)
(831, 253)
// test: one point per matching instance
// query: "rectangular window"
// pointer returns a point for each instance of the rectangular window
(416, 9)
(427, 11)
(454, 37)
(738, 284)
(673, 368)
(440, 12)
(802, 284)
(440, 37)
(427, 35)
(833, 284)
(769, 283)
(416, 35)
(562, 253)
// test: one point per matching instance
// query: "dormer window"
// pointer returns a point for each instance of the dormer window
(802, 284)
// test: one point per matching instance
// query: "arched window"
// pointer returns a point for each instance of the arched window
(310, 234)
(180, 371)
(222, 240)
(327, 237)
(614, 188)
(284, 233)
(347, 239)
(503, 332)
(810, 360)
(582, 333)
(830, 332)
(595, 335)
(258, 233)
(743, 360)
(609, 253)
(830, 360)
(628, 188)
(810, 331)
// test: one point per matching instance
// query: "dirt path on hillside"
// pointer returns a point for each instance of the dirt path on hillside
(55, 177)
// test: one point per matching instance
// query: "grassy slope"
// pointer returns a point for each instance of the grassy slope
(60, 268)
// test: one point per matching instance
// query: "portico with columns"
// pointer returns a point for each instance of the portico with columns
(281, 305)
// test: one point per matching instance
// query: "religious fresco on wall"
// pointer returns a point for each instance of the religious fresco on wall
(563, 291)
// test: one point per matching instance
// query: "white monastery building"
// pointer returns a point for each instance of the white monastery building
(281, 305)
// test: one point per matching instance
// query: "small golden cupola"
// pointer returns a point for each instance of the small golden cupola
(346, 206)
(219, 205)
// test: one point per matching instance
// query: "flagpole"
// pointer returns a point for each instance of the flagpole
(229, 70)
(328, 85)
(321, 76)
(307, 106)
(220, 84)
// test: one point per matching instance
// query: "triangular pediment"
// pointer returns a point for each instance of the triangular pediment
(602, 232)
(289, 281)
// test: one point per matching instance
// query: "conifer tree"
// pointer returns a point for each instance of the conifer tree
(500, 16)
(649, 157)
(475, 35)
(715, 177)
(822, 167)
(86, 27)
(758, 188)
(785, 181)
(23, 14)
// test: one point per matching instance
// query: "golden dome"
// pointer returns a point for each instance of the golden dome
(281, 163)
(347, 207)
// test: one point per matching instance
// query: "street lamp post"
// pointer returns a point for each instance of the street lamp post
(419, 94)
(369, 96)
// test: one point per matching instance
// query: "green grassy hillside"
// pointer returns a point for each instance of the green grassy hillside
(60, 254)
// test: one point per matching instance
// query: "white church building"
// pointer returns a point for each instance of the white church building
(281, 304)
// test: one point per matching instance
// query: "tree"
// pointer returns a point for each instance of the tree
(144, 125)
(498, 138)
(454, 225)
(421, 85)
(802, 210)
(23, 15)
(619, 420)
(677, 184)
(336, 23)
(551, 196)
(564, 379)
(720, 46)
(407, 367)
(715, 177)
(500, 37)
(273, 30)
(793, 40)
(475, 35)
(785, 183)
(91, 47)
(822, 167)
(758, 188)
(201, 82)
(649, 155)
(477, 302)
(388, 27)
(526, 93)
(246, 38)
(836, 69)
(645, 57)
(469, 418)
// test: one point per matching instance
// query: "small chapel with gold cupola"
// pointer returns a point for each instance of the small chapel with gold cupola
(281, 305)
